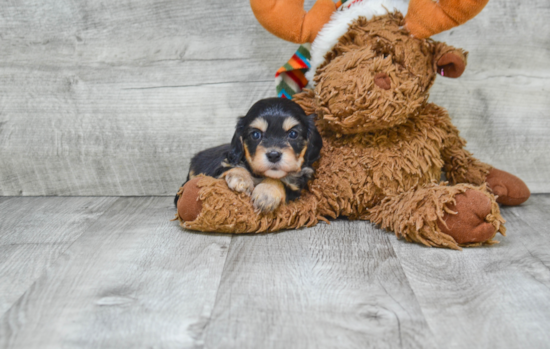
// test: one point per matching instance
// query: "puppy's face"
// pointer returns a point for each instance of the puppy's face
(275, 145)
(278, 138)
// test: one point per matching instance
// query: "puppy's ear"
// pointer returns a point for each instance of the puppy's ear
(237, 150)
(314, 142)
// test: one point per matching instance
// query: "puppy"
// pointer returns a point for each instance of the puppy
(270, 156)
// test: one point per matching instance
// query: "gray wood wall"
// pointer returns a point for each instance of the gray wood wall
(114, 97)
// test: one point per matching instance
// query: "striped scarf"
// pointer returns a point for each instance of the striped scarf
(291, 77)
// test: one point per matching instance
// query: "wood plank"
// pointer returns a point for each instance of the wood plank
(117, 150)
(34, 232)
(118, 96)
(530, 225)
(133, 279)
(118, 111)
(485, 297)
(329, 286)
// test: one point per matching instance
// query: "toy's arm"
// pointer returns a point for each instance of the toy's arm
(461, 167)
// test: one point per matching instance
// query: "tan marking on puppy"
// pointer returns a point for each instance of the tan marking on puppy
(289, 162)
(289, 123)
(268, 195)
(259, 123)
(291, 185)
(239, 179)
(191, 174)
(301, 156)
(259, 163)
(275, 174)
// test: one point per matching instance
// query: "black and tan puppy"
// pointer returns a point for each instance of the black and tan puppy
(270, 156)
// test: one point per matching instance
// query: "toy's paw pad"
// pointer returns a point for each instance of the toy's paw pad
(469, 224)
(268, 195)
(189, 205)
(239, 179)
(509, 189)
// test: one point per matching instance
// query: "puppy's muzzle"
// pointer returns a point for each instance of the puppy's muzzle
(273, 156)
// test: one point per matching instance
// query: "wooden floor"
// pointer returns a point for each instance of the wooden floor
(115, 272)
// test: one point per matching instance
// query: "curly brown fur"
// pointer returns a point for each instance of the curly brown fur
(225, 211)
(346, 94)
(415, 214)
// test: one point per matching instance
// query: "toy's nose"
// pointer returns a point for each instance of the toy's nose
(383, 81)
(273, 156)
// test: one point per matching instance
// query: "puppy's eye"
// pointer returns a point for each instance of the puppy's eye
(256, 135)
(293, 134)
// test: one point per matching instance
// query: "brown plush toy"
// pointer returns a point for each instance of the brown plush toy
(385, 145)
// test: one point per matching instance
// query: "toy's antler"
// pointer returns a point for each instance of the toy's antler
(427, 17)
(288, 20)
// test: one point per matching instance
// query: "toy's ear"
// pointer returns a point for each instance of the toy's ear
(237, 150)
(449, 61)
(314, 142)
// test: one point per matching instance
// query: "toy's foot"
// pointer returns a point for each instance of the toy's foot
(510, 189)
(189, 205)
(469, 224)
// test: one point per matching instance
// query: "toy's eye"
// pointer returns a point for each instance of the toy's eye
(293, 134)
(256, 135)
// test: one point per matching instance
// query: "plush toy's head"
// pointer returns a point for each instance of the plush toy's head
(371, 69)
(377, 75)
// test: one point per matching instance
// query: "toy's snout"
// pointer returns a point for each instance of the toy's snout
(383, 81)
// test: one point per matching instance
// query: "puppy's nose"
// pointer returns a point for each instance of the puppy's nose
(274, 156)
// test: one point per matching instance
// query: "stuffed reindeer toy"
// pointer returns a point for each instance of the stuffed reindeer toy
(384, 145)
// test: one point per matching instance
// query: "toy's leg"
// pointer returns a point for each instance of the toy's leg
(443, 216)
(462, 167)
(207, 204)
(510, 190)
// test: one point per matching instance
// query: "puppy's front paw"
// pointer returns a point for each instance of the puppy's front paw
(239, 180)
(268, 195)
